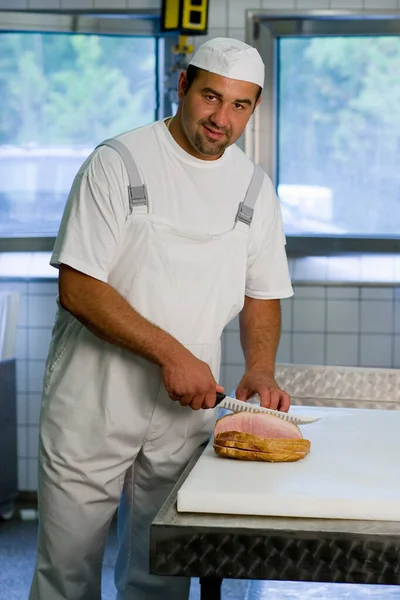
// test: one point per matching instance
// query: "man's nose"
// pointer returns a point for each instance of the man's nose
(220, 116)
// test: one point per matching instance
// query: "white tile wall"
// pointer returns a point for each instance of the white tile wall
(380, 4)
(377, 293)
(149, 4)
(32, 474)
(308, 315)
(217, 14)
(33, 407)
(22, 408)
(376, 350)
(33, 441)
(309, 291)
(396, 358)
(278, 4)
(233, 375)
(106, 3)
(284, 354)
(308, 348)
(44, 4)
(22, 376)
(313, 4)
(342, 316)
(342, 349)
(339, 292)
(23, 483)
(236, 8)
(396, 325)
(39, 340)
(236, 11)
(348, 4)
(14, 4)
(35, 375)
(376, 316)
(287, 312)
(41, 310)
(21, 342)
(22, 441)
(233, 350)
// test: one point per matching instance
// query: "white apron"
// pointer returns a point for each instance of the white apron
(107, 424)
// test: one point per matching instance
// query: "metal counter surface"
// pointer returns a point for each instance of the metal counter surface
(213, 547)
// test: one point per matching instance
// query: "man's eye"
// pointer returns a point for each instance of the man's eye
(239, 106)
(210, 97)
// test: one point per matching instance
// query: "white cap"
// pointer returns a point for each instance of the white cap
(230, 58)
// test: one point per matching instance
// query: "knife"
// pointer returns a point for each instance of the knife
(224, 401)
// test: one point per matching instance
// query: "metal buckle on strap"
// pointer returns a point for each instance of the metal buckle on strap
(137, 196)
(244, 214)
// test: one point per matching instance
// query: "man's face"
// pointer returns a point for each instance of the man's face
(213, 113)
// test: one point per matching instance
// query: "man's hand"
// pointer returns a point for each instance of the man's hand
(190, 381)
(263, 384)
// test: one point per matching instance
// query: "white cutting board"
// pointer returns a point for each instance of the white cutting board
(352, 472)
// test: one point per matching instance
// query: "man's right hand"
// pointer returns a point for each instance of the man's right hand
(190, 381)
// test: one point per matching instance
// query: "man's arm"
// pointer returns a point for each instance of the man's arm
(260, 328)
(111, 318)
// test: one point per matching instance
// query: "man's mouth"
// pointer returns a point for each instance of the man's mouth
(214, 134)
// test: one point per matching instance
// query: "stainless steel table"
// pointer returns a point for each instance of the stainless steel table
(213, 547)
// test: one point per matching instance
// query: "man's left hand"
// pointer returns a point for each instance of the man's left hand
(271, 395)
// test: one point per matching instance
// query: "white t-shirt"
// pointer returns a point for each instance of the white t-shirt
(199, 196)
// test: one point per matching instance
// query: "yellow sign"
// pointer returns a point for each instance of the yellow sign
(170, 14)
(184, 16)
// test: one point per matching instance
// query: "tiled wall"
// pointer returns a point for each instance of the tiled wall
(36, 317)
(222, 11)
(330, 325)
(322, 324)
(225, 15)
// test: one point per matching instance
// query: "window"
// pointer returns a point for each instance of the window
(62, 94)
(332, 123)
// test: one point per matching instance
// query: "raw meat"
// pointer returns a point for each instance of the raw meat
(259, 436)
(261, 424)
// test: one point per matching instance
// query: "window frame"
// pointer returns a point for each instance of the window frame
(110, 22)
(263, 29)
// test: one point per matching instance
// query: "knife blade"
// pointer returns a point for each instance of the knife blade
(236, 406)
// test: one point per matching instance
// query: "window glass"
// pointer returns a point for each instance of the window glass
(61, 95)
(339, 135)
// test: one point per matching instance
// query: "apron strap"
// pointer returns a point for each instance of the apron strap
(246, 208)
(137, 192)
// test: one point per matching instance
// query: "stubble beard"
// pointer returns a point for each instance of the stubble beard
(209, 147)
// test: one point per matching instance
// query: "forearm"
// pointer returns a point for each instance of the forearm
(260, 327)
(111, 318)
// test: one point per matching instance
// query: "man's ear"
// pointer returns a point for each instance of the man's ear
(182, 85)
(257, 103)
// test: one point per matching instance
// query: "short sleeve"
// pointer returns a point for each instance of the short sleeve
(267, 271)
(94, 216)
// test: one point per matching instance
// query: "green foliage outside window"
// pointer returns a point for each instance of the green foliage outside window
(339, 127)
(60, 96)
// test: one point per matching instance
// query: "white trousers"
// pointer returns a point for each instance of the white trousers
(77, 500)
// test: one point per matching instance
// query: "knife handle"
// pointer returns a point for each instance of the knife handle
(220, 397)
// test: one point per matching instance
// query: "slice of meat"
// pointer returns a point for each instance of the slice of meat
(260, 424)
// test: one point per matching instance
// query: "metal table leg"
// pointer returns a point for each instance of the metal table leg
(210, 588)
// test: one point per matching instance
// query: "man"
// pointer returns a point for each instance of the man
(147, 282)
